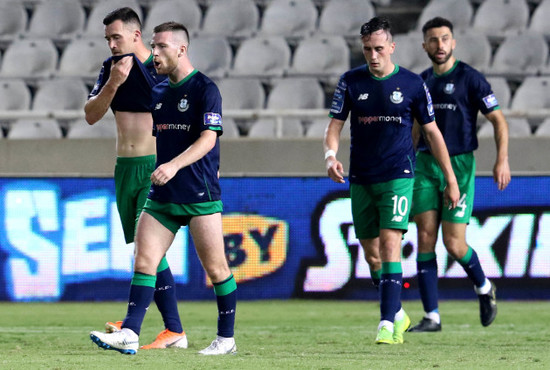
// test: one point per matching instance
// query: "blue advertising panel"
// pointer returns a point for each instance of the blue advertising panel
(61, 239)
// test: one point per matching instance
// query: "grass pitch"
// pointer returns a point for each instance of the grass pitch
(293, 334)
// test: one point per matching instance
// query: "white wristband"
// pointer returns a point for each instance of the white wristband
(330, 153)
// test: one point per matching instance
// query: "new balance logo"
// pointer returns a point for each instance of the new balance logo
(158, 106)
(397, 218)
(363, 97)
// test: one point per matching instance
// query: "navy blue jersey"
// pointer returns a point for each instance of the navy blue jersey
(181, 112)
(382, 114)
(134, 95)
(458, 96)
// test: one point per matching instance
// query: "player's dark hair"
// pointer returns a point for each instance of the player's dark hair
(171, 27)
(126, 15)
(436, 23)
(376, 24)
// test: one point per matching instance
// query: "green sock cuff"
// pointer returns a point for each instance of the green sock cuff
(466, 259)
(423, 257)
(225, 287)
(163, 265)
(144, 280)
(376, 274)
(392, 268)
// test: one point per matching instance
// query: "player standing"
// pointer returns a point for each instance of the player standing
(384, 100)
(459, 92)
(124, 85)
(187, 121)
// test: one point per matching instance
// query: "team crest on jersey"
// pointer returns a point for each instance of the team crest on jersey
(396, 97)
(183, 105)
(449, 88)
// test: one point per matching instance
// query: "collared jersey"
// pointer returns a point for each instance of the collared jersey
(382, 114)
(458, 96)
(181, 112)
(134, 95)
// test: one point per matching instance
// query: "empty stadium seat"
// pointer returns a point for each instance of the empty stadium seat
(83, 58)
(35, 129)
(264, 57)
(234, 19)
(30, 59)
(13, 21)
(80, 129)
(60, 94)
(345, 17)
(296, 93)
(473, 48)
(317, 127)
(241, 93)
(497, 18)
(459, 12)
(230, 129)
(409, 52)
(539, 20)
(533, 93)
(57, 19)
(517, 128)
(543, 130)
(520, 55)
(324, 57)
(14, 95)
(267, 128)
(289, 18)
(186, 12)
(94, 25)
(211, 55)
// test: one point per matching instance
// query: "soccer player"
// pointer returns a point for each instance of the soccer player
(185, 190)
(384, 99)
(124, 85)
(459, 92)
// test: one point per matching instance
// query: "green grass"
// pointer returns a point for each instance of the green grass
(294, 334)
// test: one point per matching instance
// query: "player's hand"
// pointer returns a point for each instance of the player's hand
(452, 195)
(335, 170)
(501, 174)
(164, 173)
(120, 70)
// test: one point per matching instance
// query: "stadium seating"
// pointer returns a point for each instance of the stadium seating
(80, 129)
(230, 129)
(234, 19)
(30, 59)
(409, 52)
(324, 57)
(262, 57)
(459, 12)
(292, 19)
(186, 12)
(94, 25)
(316, 128)
(501, 89)
(345, 17)
(267, 128)
(498, 18)
(533, 93)
(543, 130)
(473, 48)
(83, 58)
(539, 19)
(14, 95)
(517, 128)
(58, 20)
(13, 21)
(211, 55)
(35, 129)
(241, 93)
(60, 94)
(296, 93)
(520, 55)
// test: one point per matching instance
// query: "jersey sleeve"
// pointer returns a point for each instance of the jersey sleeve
(212, 109)
(101, 80)
(340, 106)
(423, 109)
(483, 94)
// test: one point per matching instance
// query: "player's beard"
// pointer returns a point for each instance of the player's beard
(434, 58)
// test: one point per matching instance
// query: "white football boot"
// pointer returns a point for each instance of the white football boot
(124, 341)
(220, 346)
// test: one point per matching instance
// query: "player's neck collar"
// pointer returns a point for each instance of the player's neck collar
(449, 71)
(395, 70)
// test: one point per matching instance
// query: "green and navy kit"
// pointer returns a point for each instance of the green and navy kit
(181, 112)
(459, 95)
(382, 114)
(134, 95)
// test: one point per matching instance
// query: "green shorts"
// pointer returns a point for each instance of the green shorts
(173, 216)
(430, 183)
(384, 205)
(132, 183)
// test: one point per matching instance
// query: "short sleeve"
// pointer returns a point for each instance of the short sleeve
(340, 106)
(212, 109)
